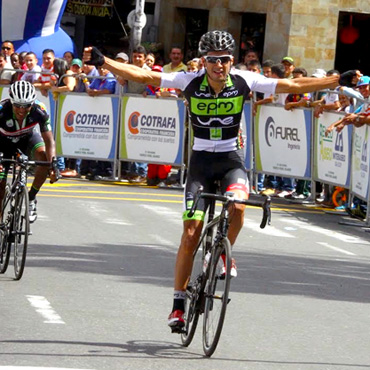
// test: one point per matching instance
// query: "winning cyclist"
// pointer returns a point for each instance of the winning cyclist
(215, 95)
(19, 117)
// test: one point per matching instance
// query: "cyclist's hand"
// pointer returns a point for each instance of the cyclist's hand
(93, 56)
(54, 176)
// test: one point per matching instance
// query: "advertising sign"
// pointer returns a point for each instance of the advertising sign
(87, 128)
(332, 152)
(98, 8)
(152, 130)
(360, 162)
(283, 140)
(4, 92)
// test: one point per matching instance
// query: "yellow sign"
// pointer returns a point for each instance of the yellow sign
(98, 8)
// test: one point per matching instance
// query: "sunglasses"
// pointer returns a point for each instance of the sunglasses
(223, 59)
(5, 48)
(25, 106)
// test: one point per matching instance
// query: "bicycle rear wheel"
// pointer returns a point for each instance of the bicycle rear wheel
(21, 228)
(216, 297)
(5, 245)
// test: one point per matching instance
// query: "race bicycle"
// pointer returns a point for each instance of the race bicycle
(14, 221)
(207, 292)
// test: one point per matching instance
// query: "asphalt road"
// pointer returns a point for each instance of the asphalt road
(97, 288)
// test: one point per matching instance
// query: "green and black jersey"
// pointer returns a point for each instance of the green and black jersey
(216, 119)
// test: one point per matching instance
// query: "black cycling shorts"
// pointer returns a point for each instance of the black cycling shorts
(27, 145)
(208, 168)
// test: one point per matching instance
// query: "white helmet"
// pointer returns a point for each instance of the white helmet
(216, 41)
(22, 92)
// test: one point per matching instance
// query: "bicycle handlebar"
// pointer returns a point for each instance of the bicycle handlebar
(22, 160)
(229, 198)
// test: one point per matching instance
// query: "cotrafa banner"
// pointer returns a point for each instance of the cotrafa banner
(283, 141)
(152, 130)
(87, 127)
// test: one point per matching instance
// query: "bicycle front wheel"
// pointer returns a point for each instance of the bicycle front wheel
(21, 228)
(5, 245)
(216, 296)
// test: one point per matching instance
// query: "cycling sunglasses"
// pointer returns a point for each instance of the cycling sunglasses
(25, 106)
(223, 59)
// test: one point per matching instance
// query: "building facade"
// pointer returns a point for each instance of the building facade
(316, 33)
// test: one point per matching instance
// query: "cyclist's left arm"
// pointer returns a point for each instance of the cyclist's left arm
(306, 84)
(48, 138)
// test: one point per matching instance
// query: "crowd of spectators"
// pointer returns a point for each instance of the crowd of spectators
(69, 74)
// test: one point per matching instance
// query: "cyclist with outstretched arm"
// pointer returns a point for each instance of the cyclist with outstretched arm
(19, 116)
(215, 96)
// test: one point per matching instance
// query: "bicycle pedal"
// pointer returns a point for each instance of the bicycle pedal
(176, 330)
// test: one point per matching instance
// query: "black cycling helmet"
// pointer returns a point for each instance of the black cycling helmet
(216, 41)
(22, 92)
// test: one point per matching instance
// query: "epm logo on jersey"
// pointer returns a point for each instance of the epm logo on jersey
(83, 122)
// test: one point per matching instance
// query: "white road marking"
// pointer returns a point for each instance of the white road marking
(36, 368)
(327, 232)
(168, 213)
(96, 210)
(43, 307)
(336, 248)
(268, 230)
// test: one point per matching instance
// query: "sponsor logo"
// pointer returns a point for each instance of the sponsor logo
(69, 121)
(133, 123)
(153, 125)
(219, 106)
(274, 132)
(9, 123)
(83, 122)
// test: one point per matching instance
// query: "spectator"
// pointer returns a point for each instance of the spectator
(5, 76)
(14, 58)
(150, 60)
(68, 56)
(192, 66)
(157, 173)
(76, 68)
(121, 85)
(329, 101)
(266, 67)
(176, 64)
(250, 54)
(22, 56)
(64, 82)
(7, 49)
(289, 66)
(254, 65)
(47, 68)
(137, 171)
(102, 86)
(34, 69)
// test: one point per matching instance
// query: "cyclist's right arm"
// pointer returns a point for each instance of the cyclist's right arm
(127, 71)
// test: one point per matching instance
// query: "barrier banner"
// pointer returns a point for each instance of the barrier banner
(332, 153)
(247, 135)
(360, 162)
(152, 130)
(283, 141)
(4, 92)
(87, 127)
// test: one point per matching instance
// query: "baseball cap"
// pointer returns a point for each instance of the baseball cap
(122, 56)
(77, 61)
(288, 59)
(319, 73)
(157, 68)
(364, 80)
